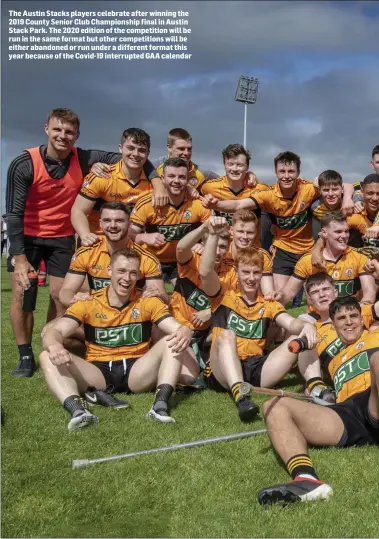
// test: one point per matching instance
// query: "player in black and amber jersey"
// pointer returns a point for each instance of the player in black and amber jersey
(240, 320)
(344, 264)
(93, 261)
(354, 420)
(365, 222)
(117, 324)
(233, 186)
(161, 230)
(127, 182)
(288, 204)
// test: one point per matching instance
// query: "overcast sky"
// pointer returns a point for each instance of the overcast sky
(317, 64)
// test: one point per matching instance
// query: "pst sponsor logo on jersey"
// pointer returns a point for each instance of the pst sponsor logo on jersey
(352, 368)
(247, 329)
(128, 335)
(198, 300)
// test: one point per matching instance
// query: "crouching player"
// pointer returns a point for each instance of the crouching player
(240, 319)
(117, 324)
(354, 420)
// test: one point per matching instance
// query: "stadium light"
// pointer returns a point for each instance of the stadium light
(247, 93)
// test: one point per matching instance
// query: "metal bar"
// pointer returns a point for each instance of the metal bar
(247, 389)
(245, 127)
(86, 462)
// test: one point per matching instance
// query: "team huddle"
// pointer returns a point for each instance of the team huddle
(164, 276)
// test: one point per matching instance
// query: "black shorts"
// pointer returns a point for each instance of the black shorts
(284, 262)
(169, 271)
(251, 368)
(360, 427)
(116, 373)
(56, 252)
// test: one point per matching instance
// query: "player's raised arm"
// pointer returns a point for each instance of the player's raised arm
(209, 277)
(347, 207)
(228, 206)
(184, 247)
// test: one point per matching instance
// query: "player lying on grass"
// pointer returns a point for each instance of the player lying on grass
(240, 319)
(117, 324)
(293, 425)
(343, 263)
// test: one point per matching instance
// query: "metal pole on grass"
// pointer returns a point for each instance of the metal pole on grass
(86, 462)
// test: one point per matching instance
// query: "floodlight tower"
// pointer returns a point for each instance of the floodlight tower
(247, 92)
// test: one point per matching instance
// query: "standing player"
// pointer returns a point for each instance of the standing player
(240, 320)
(344, 264)
(117, 324)
(288, 204)
(127, 183)
(293, 425)
(161, 230)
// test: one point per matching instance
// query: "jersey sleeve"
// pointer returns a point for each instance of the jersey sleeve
(267, 263)
(77, 311)
(93, 187)
(362, 261)
(79, 263)
(157, 309)
(276, 309)
(140, 213)
(152, 268)
(303, 268)
(263, 199)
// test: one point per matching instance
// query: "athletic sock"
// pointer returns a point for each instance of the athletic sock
(74, 405)
(313, 382)
(235, 389)
(301, 465)
(25, 350)
(162, 395)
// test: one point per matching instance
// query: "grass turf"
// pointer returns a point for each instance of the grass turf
(209, 491)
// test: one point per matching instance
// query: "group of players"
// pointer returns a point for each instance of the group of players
(112, 228)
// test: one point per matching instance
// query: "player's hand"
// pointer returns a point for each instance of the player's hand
(160, 196)
(101, 169)
(372, 266)
(199, 318)
(358, 206)
(318, 261)
(192, 192)
(217, 224)
(81, 296)
(347, 207)
(151, 291)
(273, 296)
(198, 248)
(180, 339)
(89, 239)
(310, 333)
(59, 355)
(154, 239)
(372, 232)
(21, 269)
(209, 202)
(251, 179)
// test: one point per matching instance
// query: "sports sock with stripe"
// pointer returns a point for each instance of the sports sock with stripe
(162, 395)
(235, 389)
(313, 382)
(301, 465)
(74, 405)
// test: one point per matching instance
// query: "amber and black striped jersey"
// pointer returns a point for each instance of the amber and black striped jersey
(345, 271)
(114, 333)
(95, 260)
(117, 188)
(189, 297)
(291, 217)
(173, 222)
(361, 222)
(249, 322)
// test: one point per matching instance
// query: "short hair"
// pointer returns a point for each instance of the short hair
(126, 252)
(224, 235)
(249, 256)
(371, 178)
(138, 136)
(234, 150)
(175, 162)
(287, 157)
(126, 208)
(246, 216)
(316, 279)
(177, 134)
(329, 177)
(332, 216)
(375, 151)
(66, 116)
(349, 302)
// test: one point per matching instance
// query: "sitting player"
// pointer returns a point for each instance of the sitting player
(293, 425)
(343, 263)
(117, 323)
(240, 319)
(161, 231)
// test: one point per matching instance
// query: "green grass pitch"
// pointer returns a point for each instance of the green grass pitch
(209, 491)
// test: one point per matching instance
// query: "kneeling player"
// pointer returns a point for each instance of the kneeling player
(354, 420)
(117, 324)
(240, 319)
